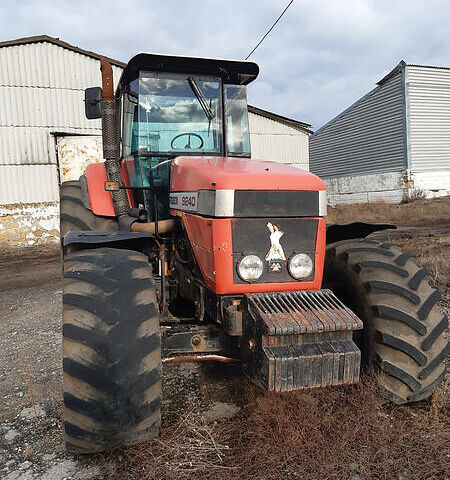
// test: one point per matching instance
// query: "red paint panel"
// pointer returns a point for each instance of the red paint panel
(212, 242)
(101, 200)
(206, 173)
(200, 233)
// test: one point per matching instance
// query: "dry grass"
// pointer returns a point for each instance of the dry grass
(432, 251)
(424, 231)
(419, 212)
(335, 433)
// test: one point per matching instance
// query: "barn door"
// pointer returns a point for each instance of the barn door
(75, 153)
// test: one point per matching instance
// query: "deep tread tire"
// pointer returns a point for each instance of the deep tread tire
(403, 324)
(75, 216)
(111, 350)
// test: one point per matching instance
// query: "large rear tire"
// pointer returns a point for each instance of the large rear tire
(403, 324)
(74, 215)
(111, 350)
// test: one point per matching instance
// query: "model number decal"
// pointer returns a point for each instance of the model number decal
(183, 201)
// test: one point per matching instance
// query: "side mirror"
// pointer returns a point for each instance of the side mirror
(92, 102)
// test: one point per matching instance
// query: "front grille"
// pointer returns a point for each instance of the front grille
(287, 313)
(251, 236)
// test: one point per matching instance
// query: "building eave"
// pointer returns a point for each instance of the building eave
(297, 125)
(60, 43)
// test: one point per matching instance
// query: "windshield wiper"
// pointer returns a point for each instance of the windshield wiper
(201, 99)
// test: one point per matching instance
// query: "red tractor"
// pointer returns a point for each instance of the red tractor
(179, 247)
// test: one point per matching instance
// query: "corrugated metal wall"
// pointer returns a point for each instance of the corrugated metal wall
(274, 141)
(429, 118)
(41, 93)
(28, 184)
(368, 137)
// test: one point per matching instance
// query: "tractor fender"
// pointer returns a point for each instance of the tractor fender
(119, 239)
(346, 231)
(99, 199)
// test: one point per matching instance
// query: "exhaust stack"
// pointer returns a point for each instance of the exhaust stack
(110, 139)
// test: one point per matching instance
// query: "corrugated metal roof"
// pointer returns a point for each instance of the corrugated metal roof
(402, 64)
(280, 118)
(44, 65)
(60, 43)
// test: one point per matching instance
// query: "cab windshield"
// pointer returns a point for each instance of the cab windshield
(178, 114)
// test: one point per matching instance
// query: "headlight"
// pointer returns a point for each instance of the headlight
(250, 268)
(300, 265)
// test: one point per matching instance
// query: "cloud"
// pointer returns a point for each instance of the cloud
(320, 58)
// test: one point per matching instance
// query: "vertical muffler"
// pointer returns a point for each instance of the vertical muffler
(110, 139)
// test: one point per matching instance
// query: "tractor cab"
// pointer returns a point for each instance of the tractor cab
(180, 106)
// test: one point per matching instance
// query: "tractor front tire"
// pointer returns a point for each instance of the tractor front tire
(403, 324)
(111, 350)
(74, 214)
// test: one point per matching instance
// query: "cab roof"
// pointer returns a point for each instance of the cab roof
(236, 72)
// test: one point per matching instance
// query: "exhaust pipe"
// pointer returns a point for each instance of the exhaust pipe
(112, 166)
(110, 139)
(164, 226)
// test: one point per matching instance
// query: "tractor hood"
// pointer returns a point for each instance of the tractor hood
(195, 173)
(227, 186)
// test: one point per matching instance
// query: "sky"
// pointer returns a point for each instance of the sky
(321, 57)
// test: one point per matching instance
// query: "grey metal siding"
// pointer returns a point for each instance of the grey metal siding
(429, 118)
(41, 92)
(274, 141)
(28, 184)
(368, 137)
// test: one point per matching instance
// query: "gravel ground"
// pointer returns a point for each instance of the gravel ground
(30, 371)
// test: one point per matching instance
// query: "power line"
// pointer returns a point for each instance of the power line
(270, 29)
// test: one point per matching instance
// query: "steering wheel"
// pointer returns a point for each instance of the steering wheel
(188, 145)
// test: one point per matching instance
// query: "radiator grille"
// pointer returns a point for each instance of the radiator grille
(287, 313)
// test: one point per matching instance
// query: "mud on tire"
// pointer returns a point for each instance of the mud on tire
(76, 216)
(403, 324)
(111, 350)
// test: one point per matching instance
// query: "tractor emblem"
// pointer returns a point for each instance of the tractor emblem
(276, 250)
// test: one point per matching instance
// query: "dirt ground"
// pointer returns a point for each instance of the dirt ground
(216, 424)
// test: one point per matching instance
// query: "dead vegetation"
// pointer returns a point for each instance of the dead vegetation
(424, 230)
(336, 433)
(418, 212)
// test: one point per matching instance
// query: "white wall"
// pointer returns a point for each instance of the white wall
(387, 187)
(428, 114)
(274, 141)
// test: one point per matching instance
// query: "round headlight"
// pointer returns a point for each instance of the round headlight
(300, 265)
(250, 268)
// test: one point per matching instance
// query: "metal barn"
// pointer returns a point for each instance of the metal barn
(45, 137)
(391, 144)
